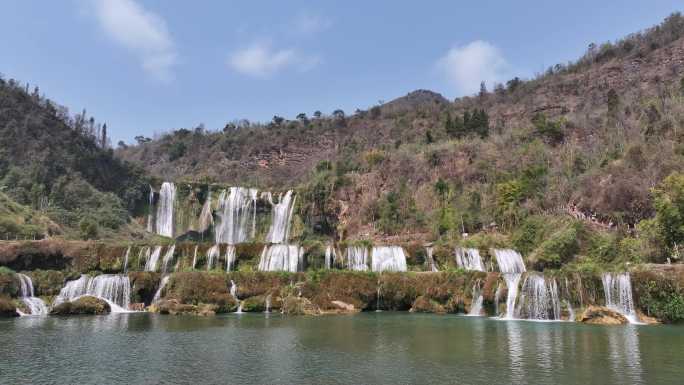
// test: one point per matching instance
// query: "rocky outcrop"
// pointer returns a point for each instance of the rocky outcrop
(173, 307)
(423, 304)
(293, 305)
(599, 315)
(84, 305)
(7, 308)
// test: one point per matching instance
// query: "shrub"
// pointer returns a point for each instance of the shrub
(88, 228)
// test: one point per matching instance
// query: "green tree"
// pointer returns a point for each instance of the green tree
(88, 227)
(669, 205)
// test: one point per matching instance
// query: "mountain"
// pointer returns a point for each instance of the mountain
(62, 165)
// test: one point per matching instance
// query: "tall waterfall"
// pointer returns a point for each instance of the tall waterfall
(150, 216)
(168, 256)
(151, 264)
(162, 285)
(282, 258)
(617, 289)
(236, 207)
(143, 254)
(165, 208)
(194, 257)
(230, 257)
(511, 266)
(114, 289)
(330, 256)
(279, 232)
(126, 255)
(469, 259)
(357, 258)
(205, 218)
(539, 299)
(478, 298)
(213, 254)
(430, 259)
(388, 258)
(35, 305)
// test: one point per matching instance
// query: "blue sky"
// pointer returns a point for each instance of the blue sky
(149, 66)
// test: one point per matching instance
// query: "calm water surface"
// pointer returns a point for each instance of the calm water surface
(370, 348)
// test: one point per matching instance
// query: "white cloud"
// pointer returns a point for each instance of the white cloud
(466, 66)
(307, 24)
(261, 60)
(142, 32)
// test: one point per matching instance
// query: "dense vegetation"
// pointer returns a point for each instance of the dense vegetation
(62, 166)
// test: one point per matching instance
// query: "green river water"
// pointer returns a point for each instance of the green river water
(369, 348)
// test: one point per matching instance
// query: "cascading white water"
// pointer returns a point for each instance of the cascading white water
(388, 258)
(330, 256)
(539, 299)
(165, 209)
(236, 207)
(478, 299)
(230, 257)
(469, 259)
(153, 259)
(357, 258)
(213, 254)
(35, 305)
(268, 304)
(194, 257)
(233, 289)
(128, 253)
(497, 298)
(281, 219)
(162, 285)
(571, 311)
(511, 266)
(168, 256)
(617, 289)
(205, 218)
(143, 254)
(150, 216)
(114, 289)
(282, 258)
(430, 259)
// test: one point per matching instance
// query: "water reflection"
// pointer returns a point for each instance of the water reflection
(515, 352)
(624, 354)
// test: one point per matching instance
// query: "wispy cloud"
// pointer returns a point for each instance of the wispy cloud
(261, 60)
(466, 66)
(142, 32)
(307, 23)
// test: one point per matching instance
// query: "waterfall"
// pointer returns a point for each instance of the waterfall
(476, 305)
(388, 258)
(236, 207)
(194, 257)
(511, 266)
(357, 258)
(150, 216)
(168, 257)
(230, 257)
(330, 256)
(571, 311)
(233, 289)
(151, 264)
(539, 299)
(205, 218)
(114, 289)
(618, 292)
(469, 259)
(128, 253)
(282, 258)
(167, 197)
(268, 304)
(35, 305)
(281, 219)
(143, 253)
(213, 254)
(497, 298)
(430, 260)
(162, 285)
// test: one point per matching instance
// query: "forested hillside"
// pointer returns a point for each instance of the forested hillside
(63, 166)
(572, 162)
